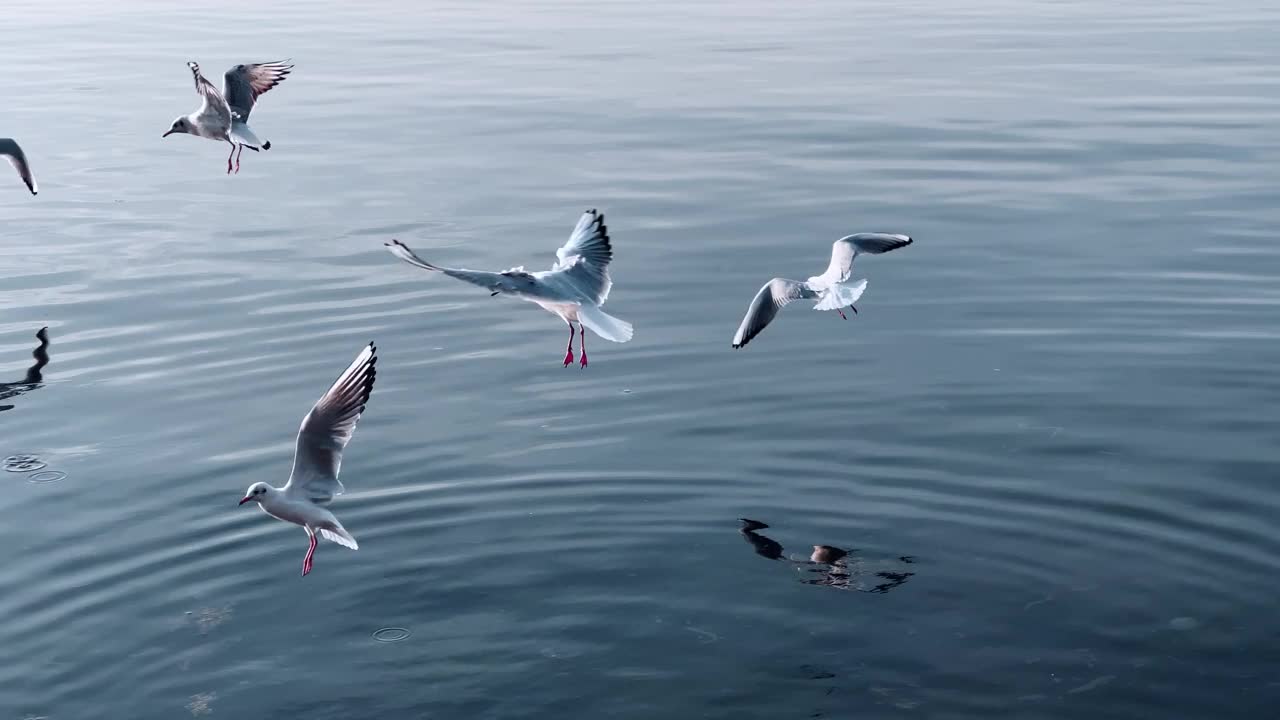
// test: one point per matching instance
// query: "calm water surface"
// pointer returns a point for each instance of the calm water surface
(1048, 441)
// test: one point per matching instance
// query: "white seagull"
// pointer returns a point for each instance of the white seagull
(574, 288)
(225, 115)
(831, 289)
(324, 434)
(18, 160)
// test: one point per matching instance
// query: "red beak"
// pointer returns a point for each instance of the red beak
(245, 499)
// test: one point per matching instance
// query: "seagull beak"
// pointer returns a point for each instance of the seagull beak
(245, 499)
(168, 133)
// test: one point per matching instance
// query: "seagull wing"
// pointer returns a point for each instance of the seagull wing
(844, 250)
(588, 242)
(18, 160)
(243, 84)
(583, 262)
(328, 428)
(775, 295)
(489, 280)
(214, 107)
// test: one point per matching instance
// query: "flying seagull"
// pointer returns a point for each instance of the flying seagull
(225, 115)
(324, 434)
(18, 160)
(574, 288)
(831, 289)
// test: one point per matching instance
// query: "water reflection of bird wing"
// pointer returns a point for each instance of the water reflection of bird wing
(764, 546)
(34, 377)
(833, 567)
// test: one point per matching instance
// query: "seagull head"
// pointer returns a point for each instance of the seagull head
(181, 125)
(827, 554)
(257, 492)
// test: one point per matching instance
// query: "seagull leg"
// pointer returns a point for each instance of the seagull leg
(582, 344)
(568, 351)
(854, 309)
(842, 317)
(311, 551)
(240, 149)
(233, 152)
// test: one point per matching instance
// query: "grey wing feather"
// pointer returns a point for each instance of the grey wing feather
(327, 429)
(214, 103)
(244, 84)
(844, 250)
(487, 280)
(775, 295)
(584, 259)
(18, 160)
(589, 242)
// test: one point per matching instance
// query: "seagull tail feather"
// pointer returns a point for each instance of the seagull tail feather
(839, 295)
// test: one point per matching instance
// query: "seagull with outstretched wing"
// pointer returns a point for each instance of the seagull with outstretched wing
(224, 115)
(831, 289)
(573, 289)
(317, 458)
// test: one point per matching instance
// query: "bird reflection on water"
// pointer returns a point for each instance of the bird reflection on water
(34, 379)
(834, 567)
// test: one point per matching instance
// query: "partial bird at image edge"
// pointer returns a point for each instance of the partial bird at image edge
(12, 152)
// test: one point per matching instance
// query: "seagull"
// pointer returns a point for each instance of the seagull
(828, 565)
(225, 115)
(574, 288)
(324, 434)
(18, 159)
(831, 289)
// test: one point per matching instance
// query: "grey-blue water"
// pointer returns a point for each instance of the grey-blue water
(1049, 439)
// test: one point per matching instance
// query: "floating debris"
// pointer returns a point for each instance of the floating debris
(390, 634)
(1184, 623)
(23, 463)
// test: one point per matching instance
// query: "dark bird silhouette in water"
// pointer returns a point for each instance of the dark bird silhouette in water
(835, 567)
(765, 547)
(33, 379)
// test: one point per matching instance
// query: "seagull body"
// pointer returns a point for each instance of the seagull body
(18, 159)
(317, 458)
(224, 116)
(573, 289)
(831, 289)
